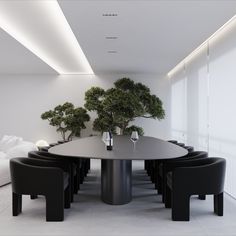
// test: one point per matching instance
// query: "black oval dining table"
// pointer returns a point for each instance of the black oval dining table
(116, 165)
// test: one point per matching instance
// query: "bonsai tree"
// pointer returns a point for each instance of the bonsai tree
(118, 106)
(67, 119)
(128, 131)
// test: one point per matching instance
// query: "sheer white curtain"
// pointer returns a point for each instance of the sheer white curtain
(178, 105)
(203, 102)
(197, 101)
(189, 102)
(222, 108)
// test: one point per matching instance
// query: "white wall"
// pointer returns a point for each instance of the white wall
(210, 92)
(23, 98)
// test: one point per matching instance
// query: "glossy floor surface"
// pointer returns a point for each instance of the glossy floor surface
(145, 215)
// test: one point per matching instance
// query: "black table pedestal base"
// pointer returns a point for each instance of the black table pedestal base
(116, 181)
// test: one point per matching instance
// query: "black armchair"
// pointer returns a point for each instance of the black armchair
(173, 141)
(170, 165)
(197, 177)
(64, 162)
(160, 164)
(180, 144)
(151, 166)
(40, 177)
(189, 148)
(44, 149)
(53, 144)
(82, 167)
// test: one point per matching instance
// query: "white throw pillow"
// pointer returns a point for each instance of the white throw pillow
(3, 140)
(2, 155)
(8, 142)
(4, 172)
(21, 150)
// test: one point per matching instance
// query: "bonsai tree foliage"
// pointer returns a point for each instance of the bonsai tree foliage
(67, 119)
(118, 106)
(128, 131)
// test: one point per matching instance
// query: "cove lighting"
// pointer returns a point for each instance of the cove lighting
(43, 29)
(218, 33)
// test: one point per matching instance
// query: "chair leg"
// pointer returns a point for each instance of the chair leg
(76, 184)
(148, 167)
(152, 172)
(16, 204)
(202, 197)
(78, 179)
(167, 197)
(33, 197)
(72, 186)
(156, 184)
(156, 165)
(152, 176)
(81, 177)
(155, 172)
(89, 164)
(159, 184)
(180, 206)
(145, 164)
(85, 169)
(219, 204)
(55, 207)
(164, 186)
(67, 198)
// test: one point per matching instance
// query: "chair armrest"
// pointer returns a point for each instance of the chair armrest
(27, 175)
(204, 176)
(207, 176)
(47, 162)
(170, 166)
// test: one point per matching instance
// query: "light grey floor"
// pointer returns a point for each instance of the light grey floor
(145, 215)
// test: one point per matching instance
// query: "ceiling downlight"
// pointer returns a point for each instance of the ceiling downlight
(110, 14)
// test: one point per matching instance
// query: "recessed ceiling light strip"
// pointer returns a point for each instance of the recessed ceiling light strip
(109, 14)
(219, 32)
(112, 51)
(111, 37)
(43, 29)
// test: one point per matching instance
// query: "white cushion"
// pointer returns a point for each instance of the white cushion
(2, 155)
(21, 150)
(4, 172)
(8, 142)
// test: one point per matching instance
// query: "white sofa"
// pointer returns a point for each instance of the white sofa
(10, 147)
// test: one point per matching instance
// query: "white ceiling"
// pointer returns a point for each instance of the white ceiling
(42, 28)
(16, 59)
(153, 36)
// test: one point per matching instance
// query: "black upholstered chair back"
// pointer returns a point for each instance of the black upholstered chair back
(204, 175)
(27, 172)
(38, 154)
(201, 177)
(189, 148)
(197, 155)
(180, 144)
(40, 177)
(173, 141)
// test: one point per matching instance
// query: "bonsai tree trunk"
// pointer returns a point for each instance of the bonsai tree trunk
(63, 135)
(124, 126)
(70, 137)
(121, 131)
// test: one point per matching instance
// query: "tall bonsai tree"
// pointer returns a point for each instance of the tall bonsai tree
(118, 106)
(67, 119)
